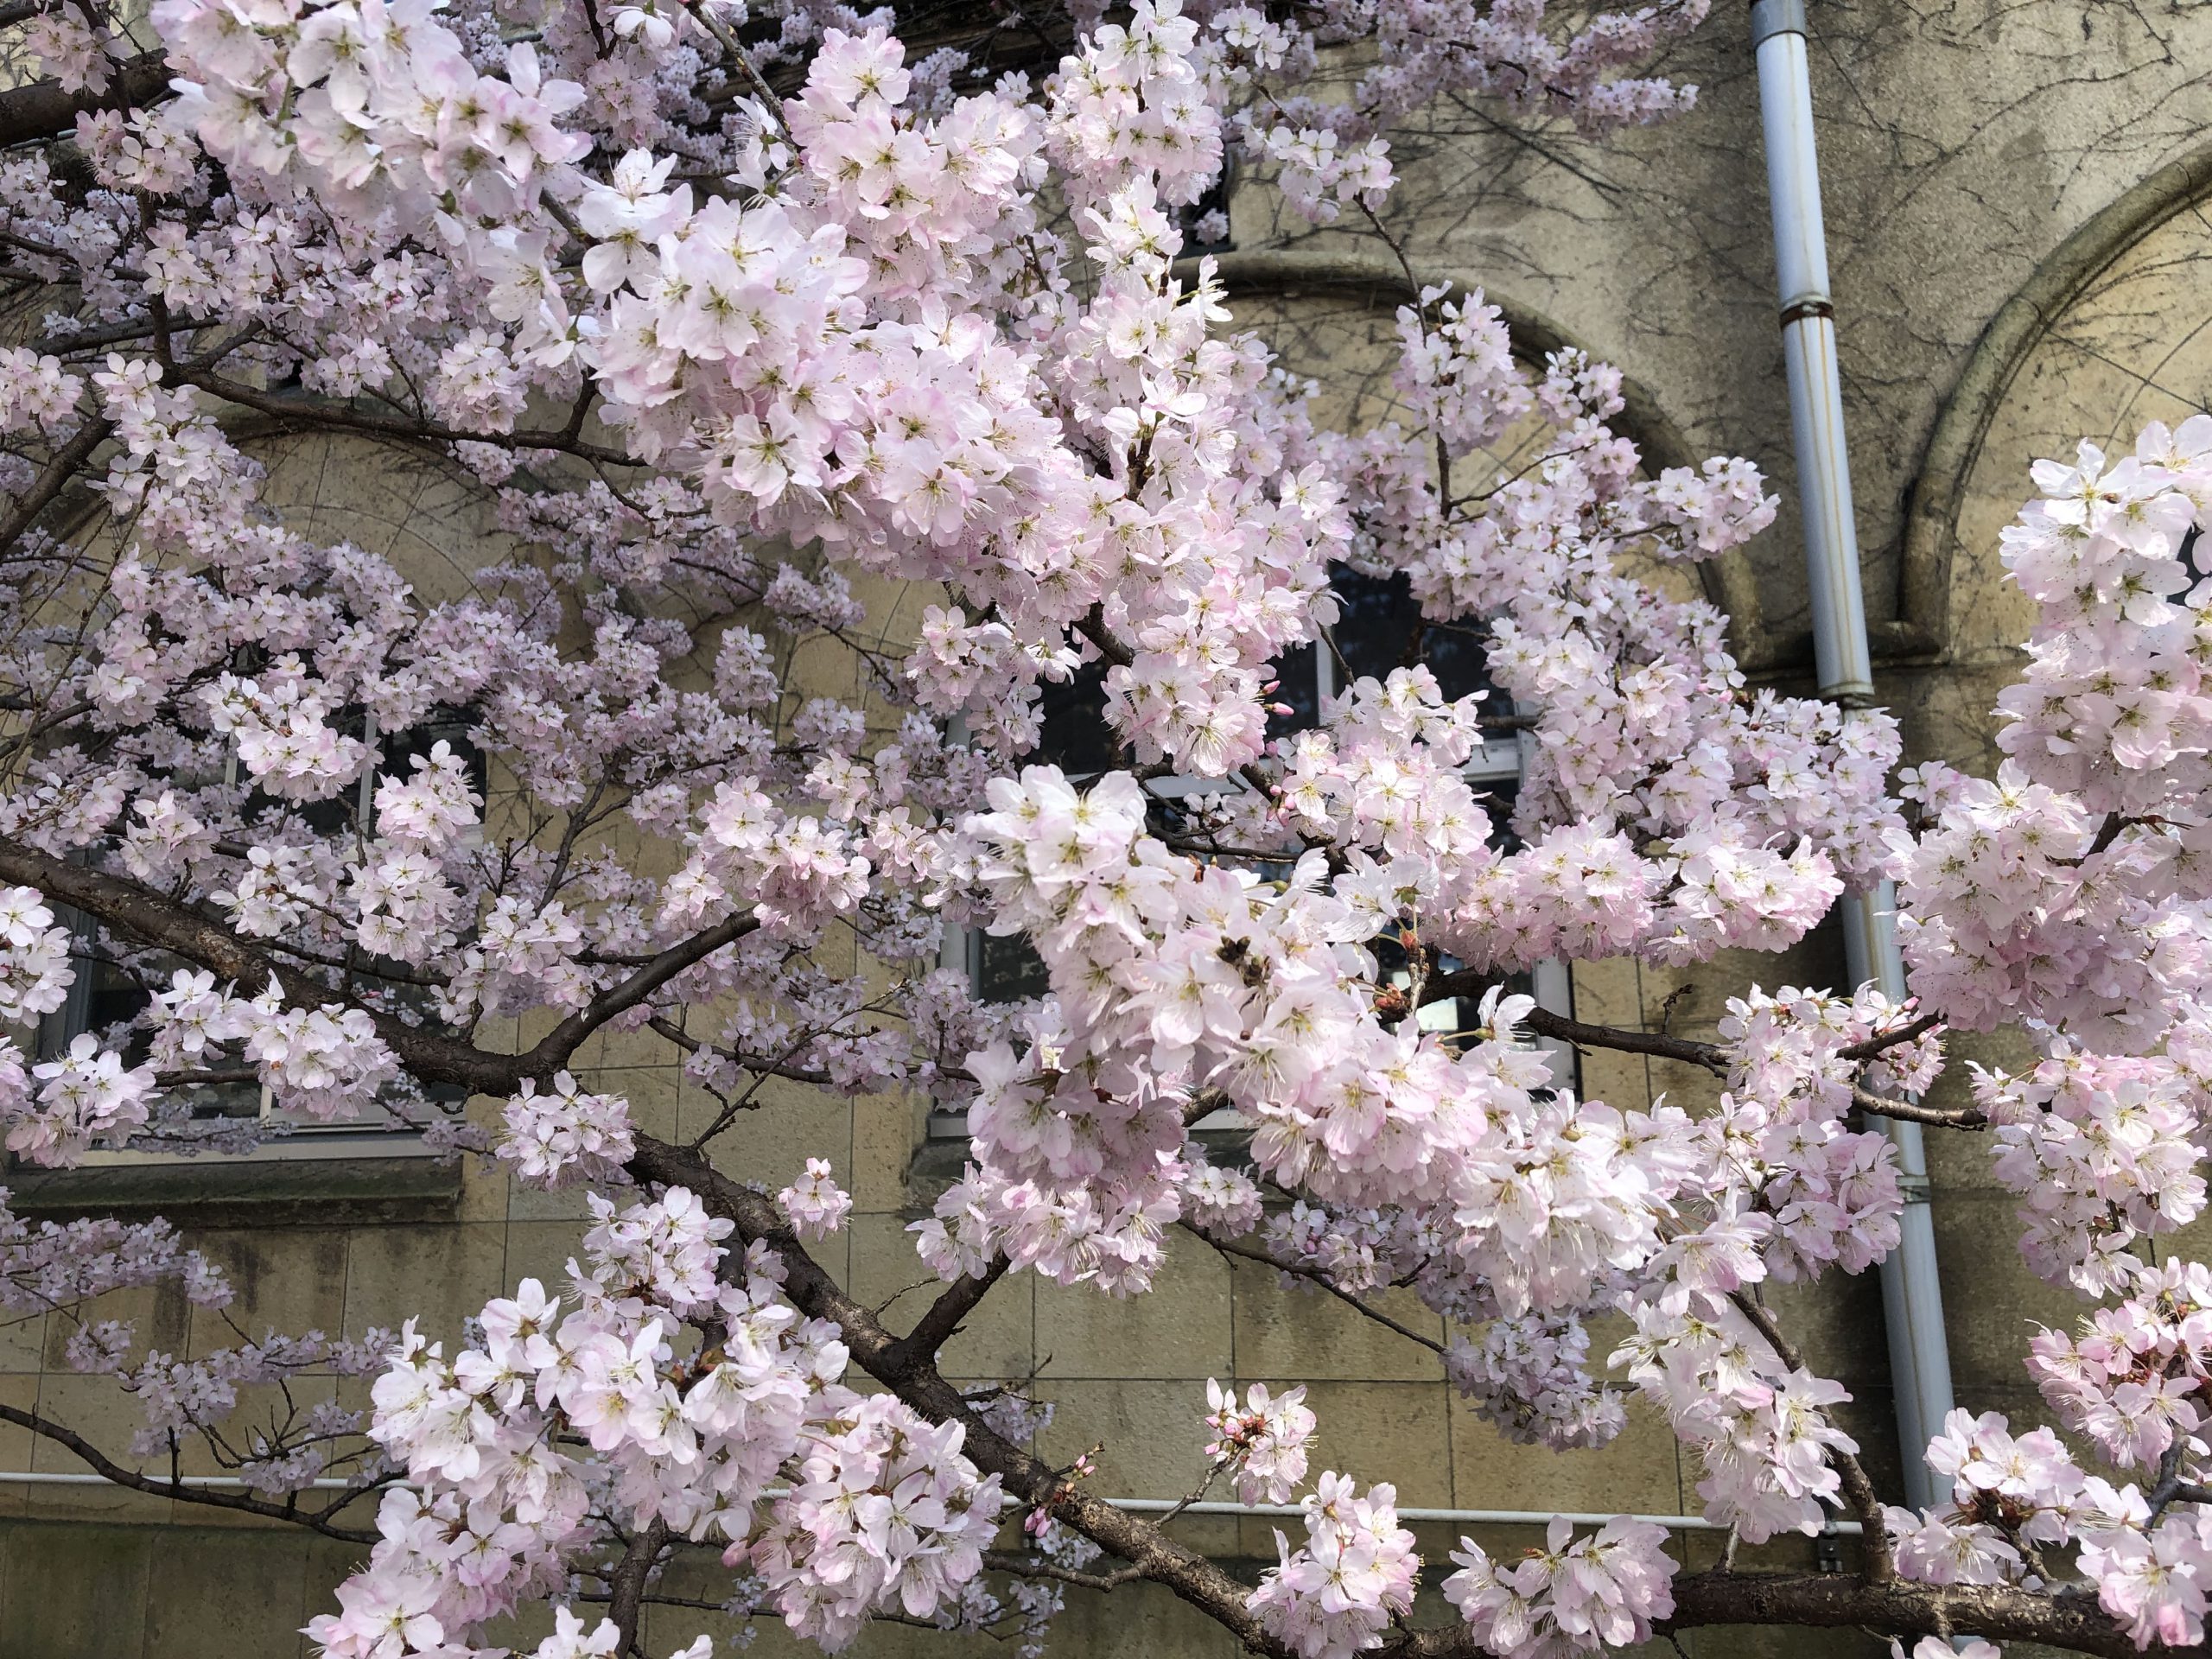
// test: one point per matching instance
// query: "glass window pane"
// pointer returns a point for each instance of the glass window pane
(1076, 738)
(1375, 625)
(1008, 969)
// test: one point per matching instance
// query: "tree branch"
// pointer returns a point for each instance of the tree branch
(627, 1585)
(1840, 1601)
(941, 1320)
(1024, 1567)
(1545, 1023)
(1468, 981)
(1858, 1490)
(431, 1056)
(114, 1472)
(1889, 1039)
(43, 110)
(316, 414)
(53, 479)
(1961, 1117)
(1722, 1598)
(1300, 1271)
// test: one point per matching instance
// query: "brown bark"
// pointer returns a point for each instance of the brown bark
(43, 110)
(155, 919)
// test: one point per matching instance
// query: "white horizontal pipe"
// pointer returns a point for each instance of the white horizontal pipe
(1473, 1517)
(1133, 1505)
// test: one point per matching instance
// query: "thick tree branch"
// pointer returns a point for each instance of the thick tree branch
(941, 1321)
(53, 479)
(1840, 1601)
(626, 1584)
(1545, 1023)
(110, 1470)
(42, 109)
(431, 1056)
(1467, 982)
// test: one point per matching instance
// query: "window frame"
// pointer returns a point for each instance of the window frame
(1498, 759)
(352, 1140)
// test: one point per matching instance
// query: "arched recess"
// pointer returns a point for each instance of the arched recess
(2104, 277)
(1727, 580)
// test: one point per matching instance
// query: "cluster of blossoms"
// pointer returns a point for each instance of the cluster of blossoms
(885, 1511)
(567, 1135)
(85, 1095)
(1531, 1378)
(184, 1400)
(1334, 1594)
(35, 971)
(2102, 1150)
(1261, 1442)
(1573, 1595)
(1761, 1426)
(2069, 890)
(2132, 1381)
(816, 1205)
(1826, 1194)
(50, 1264)
(2015, 1496)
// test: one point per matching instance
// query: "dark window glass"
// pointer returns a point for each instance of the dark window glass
(1075, 737)
(1297, 688)
(1377, 623)
(104, 1001)
(1007, 969)
(106, 996)
(396, 757)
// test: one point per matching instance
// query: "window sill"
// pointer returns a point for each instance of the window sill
(371, 1189)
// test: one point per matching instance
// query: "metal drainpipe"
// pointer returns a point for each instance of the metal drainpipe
(1912, 1296)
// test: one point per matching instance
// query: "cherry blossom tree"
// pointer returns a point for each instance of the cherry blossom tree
(740, 315)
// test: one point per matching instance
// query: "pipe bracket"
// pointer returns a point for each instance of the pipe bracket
(1772, 17)
(1805, 310)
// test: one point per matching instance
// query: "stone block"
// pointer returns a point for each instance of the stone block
(75, 1592)
(291, 1280)
(1302, 1332)
(1395, 1432)
(438, 1275)
(1643, 1472)
(771, 1141)
(227, 1594)
(886, 1128)
(1181, 1328)
(999, 1340)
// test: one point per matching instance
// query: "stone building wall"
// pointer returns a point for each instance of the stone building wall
(2019, 252)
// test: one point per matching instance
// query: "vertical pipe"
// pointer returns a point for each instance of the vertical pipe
(1912, 1299)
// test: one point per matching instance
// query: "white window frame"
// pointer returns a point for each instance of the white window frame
(355, 1139)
